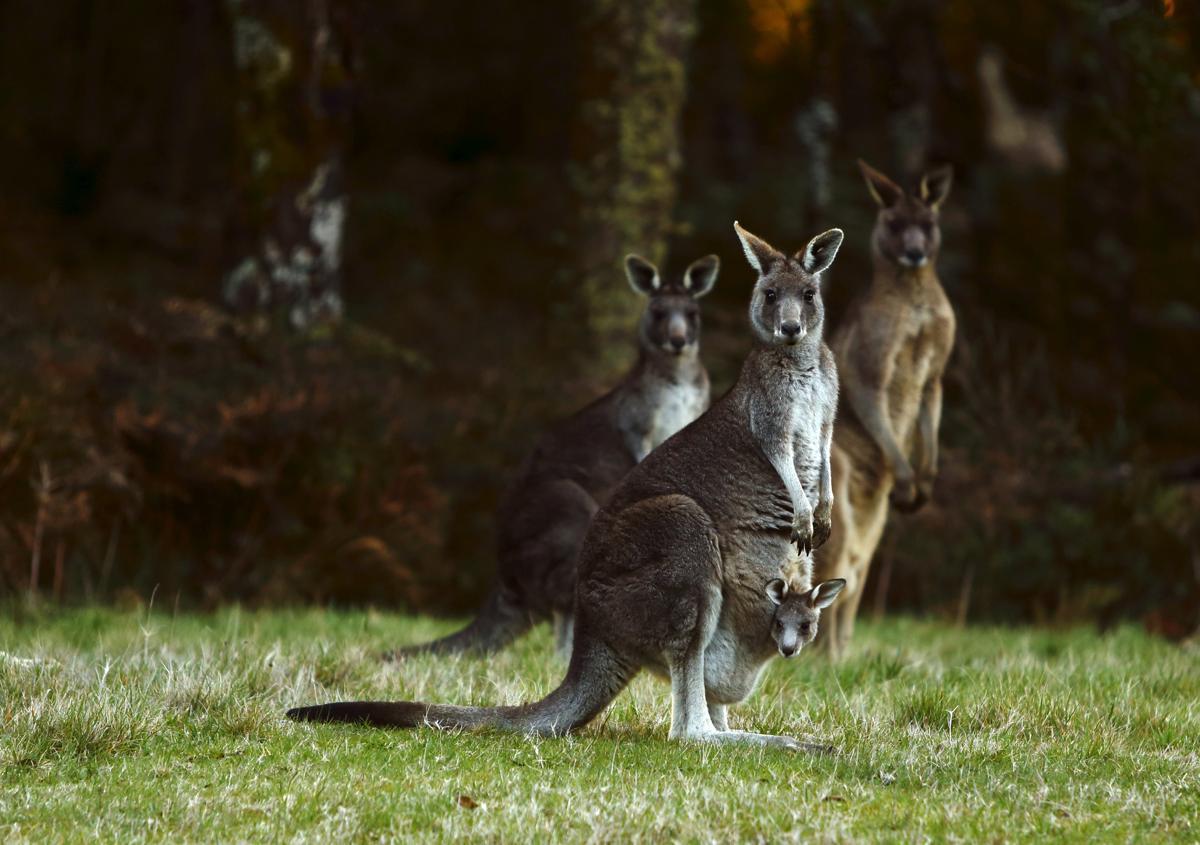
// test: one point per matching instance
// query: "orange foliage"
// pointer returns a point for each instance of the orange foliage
(174, 445)
(777, 24)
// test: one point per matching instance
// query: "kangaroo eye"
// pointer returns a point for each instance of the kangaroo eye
(810, 295)
(770, 295)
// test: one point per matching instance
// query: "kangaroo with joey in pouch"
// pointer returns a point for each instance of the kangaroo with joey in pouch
(672, 572)
(543, 516)
(891, 350)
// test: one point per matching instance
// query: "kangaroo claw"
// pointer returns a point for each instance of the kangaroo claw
(822, 528)
(802, 536)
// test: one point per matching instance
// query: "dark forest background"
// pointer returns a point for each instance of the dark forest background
(180, 411)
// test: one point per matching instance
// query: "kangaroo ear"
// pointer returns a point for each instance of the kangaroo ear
(886, 192)
(777, 590)
(935, 185)
(824, 593)
(820, 252)
(701, 275)
(759, 253)
(643, 276)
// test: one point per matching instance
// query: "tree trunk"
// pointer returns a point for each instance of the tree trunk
(295, 78)
(626, 157)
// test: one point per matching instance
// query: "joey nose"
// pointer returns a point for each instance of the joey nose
(915, 257)
(791, 329)
(787, 650)
(678, 342)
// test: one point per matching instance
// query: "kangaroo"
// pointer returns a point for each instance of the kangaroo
(542, 518)
(891, 351)
(797, 612)
(783, 626)
(672, 569)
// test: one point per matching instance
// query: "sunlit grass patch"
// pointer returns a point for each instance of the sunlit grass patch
(136, 727)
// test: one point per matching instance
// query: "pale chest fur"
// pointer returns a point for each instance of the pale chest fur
(919, 356)
(789, 414)
(810, 400)
(675, 405)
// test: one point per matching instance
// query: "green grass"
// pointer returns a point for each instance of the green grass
(131, 726)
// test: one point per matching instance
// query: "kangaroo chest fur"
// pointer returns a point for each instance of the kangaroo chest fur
(677, 407)
(658, 402)
(786, 414)
(919, 355)
(922, 323)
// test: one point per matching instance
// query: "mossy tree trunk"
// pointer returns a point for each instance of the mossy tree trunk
(295, 81)
(626, 158)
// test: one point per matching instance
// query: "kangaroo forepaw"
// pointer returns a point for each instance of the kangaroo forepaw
(802, 533)
(822, 528)
(906, 497)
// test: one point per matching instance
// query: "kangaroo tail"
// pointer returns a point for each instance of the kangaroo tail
(500, 621)
(595, 677)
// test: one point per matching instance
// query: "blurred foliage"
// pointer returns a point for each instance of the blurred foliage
(173, 448)
(254, 463)
(1033, 520)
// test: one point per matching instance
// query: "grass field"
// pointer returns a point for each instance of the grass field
(131, 726)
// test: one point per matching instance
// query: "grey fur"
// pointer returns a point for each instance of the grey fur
(797, 612)
(672, 570)
(543, 517)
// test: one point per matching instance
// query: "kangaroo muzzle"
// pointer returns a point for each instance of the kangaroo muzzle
(677, 333)
(914, 250)
(789, 646)
(791, 323)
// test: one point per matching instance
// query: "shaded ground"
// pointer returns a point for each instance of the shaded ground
(127, 726)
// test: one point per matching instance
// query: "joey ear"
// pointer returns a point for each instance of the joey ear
(935, 185)
(701, 275)
(886, 192)
(777, 590)
(643, 276)
(824, 593)
(759, 253)
(821, 251)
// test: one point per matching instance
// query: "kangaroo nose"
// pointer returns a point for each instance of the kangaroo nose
(790, 328)
(678, 342)
(787, 650)
(914, 256)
